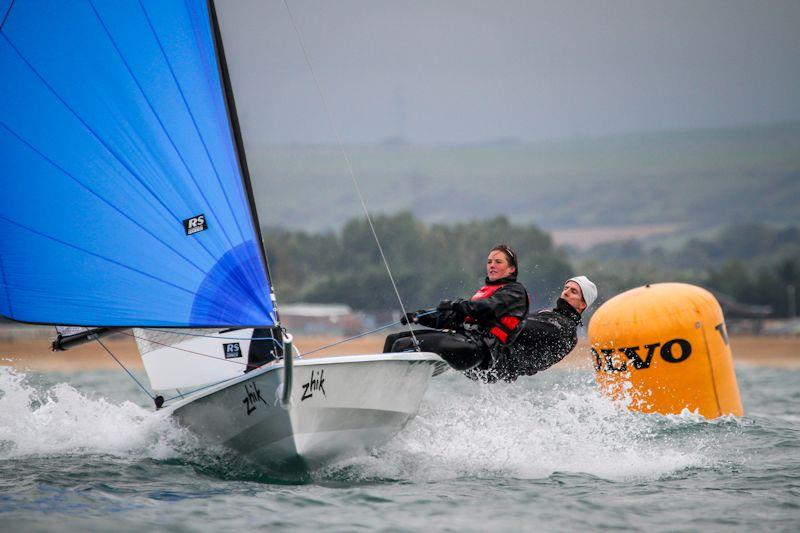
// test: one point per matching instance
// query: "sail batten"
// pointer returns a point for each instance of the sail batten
(125, 196)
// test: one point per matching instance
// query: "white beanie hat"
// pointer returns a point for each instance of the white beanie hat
(588, 289)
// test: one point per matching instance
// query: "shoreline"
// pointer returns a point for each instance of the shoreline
(34, 353)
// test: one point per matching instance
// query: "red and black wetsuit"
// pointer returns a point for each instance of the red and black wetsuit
(474, 332)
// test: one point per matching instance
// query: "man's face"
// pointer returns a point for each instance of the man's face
(574, 296)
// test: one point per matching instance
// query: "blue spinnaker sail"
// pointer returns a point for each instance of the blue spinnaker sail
(123, 197)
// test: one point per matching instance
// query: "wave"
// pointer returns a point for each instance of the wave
(58, 419)
(536, 428)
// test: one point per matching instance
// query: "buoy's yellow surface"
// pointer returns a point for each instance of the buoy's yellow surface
(666, 347)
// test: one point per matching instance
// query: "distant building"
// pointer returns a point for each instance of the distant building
(321, 319)
(735, 309)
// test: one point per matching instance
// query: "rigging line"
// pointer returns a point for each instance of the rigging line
(98, 196)
(177, 332)
(249, 365)
(156, 115)
(347, 161)
(204, 387)
(241, 156)
(118, 157)
(349, 339)
(194, 121)
(275, 341)
(362, 335)
(125, 369)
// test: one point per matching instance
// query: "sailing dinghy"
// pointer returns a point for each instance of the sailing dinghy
(126, 206)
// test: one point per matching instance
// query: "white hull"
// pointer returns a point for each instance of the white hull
(340, 406)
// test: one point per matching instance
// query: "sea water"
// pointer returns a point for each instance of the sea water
(87, 451)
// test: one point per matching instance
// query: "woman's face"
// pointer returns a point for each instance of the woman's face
(497, 266)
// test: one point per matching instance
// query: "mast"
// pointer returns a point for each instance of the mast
(233, 120)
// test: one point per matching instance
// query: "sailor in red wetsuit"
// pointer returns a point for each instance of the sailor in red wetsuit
(546, 338)
(474, 332)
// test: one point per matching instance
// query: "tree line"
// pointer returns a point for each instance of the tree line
(753, 263)
(428, 262)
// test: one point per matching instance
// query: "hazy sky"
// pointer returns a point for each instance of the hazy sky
(472, 71)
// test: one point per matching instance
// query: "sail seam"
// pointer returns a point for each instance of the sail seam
(98, 196)
(8, 13)
(89, 252)
(116, 156)
(193, 119)
(156, 115)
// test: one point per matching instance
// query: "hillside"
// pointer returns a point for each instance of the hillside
(695, 178)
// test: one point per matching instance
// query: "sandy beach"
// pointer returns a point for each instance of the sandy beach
(35, 354)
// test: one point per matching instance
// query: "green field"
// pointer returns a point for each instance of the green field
(699, 178)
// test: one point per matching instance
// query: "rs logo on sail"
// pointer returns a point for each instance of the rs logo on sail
(194, 224)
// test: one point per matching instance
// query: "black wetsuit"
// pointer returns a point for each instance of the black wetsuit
(547, 337)
(470, 332)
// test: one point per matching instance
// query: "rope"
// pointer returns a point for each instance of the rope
(364, 335)
(351, 338)
(182, 395)
(189, 351)
(346, 157)
(179, 395)
(114, 357)
(178, 332)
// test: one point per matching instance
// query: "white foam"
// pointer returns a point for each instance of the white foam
(61, 420)
(533, 429)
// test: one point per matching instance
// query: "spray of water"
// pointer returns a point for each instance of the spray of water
(531, 429)
(60, 420)
(534, 429)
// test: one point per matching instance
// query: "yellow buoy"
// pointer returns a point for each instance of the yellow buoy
(665, 347)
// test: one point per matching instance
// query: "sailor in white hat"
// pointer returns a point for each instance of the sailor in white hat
(579, 292)
(547, 336)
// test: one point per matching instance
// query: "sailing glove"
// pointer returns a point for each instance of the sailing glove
(460, 307)
(409, 318)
